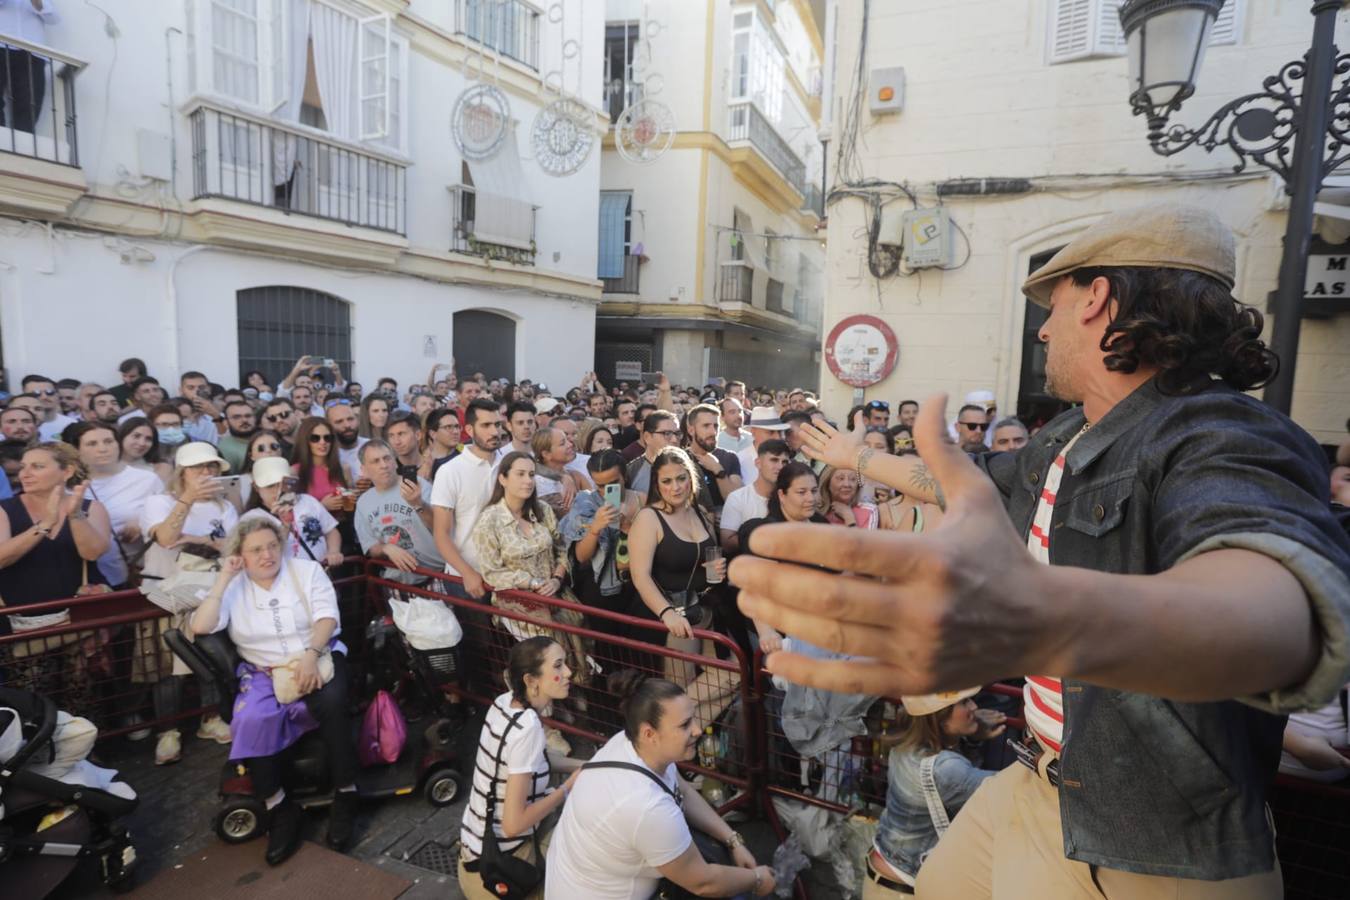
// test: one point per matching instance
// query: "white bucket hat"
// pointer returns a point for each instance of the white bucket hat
(270, 470)
(197, 453)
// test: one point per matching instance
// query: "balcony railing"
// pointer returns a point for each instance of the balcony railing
(256, 161)
(627, 283)
(510, 27)
(619, 95)
(749, 124)
(814, 200)
(464, 203)
(737, 283)
(39, 106)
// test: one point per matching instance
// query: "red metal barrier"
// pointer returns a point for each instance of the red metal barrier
(723, 682)
(104, 662)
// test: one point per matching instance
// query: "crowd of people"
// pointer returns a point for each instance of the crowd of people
(634, 498)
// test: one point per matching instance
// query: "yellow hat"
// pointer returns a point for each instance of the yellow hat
(1161, 236)
(927, 704)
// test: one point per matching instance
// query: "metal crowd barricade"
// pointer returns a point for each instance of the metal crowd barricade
(615, 642)
(104, 662)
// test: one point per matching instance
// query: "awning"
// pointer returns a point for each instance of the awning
(502, 213)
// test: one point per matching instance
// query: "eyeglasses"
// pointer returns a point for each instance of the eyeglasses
(974, 426)
(270, 448)
(321, 439)
(879, 404)
(337, 401)
(668, 435)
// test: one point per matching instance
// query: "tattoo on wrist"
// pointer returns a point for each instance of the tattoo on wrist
(922, 480)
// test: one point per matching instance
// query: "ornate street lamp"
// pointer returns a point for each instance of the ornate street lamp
(1166, 41)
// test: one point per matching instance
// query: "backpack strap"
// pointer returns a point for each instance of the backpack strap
(673, 793)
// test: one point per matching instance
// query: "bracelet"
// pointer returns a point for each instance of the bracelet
(864, 456)
(43, 530)
(662, 613)
(758, 879)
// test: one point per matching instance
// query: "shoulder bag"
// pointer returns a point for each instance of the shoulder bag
(504, 874)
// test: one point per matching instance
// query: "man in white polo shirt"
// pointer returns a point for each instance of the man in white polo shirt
(461, 492)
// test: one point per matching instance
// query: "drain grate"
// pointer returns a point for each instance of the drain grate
(436, 857)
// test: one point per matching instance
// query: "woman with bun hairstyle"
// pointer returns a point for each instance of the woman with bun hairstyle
(513, 764)
(630, 819)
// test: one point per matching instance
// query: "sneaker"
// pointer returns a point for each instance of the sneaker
(213, 728)
(131, 721)
(283, 834)
(340, 820)
(555, 741)
(169, 749)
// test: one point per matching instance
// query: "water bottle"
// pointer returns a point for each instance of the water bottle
(709, 751)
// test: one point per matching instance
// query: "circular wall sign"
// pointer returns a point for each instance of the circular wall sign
(861, 350)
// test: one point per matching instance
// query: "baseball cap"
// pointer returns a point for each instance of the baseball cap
(1159, 236)
(271, 470)
(546, 405)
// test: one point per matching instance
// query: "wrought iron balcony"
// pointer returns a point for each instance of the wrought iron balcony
(747, 123)
(814, 200)
(737, 283)
(510, 27)
(627, 283)
(39, 107)
(465, 202)
(295, 170)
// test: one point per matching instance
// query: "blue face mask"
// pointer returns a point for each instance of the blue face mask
(171, 435)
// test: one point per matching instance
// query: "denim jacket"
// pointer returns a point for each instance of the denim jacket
(1156, 786)
(905, 833)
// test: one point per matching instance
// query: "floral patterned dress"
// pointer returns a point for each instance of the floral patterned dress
(511, 555)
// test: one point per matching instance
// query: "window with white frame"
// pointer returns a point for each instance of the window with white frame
(756, 66)
(344, 62)
(1090, 29)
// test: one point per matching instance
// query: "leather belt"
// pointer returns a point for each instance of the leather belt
(1030, 753)
(889, 884)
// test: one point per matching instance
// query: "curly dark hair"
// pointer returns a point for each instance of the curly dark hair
(1185, 323)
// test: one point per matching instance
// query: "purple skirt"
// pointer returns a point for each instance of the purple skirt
(261, 726)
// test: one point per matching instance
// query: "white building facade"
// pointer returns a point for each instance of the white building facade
(1014, 120)
(709, 253)
(224, 185)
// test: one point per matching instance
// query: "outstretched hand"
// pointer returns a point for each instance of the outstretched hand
(822, 441)
(962, 605)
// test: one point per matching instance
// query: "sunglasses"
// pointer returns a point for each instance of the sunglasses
(321, 439)
(337, 401)
(275, 417)
(879, 404)
(974, 426)
(904, 443)
(49, 392)
(268, 448)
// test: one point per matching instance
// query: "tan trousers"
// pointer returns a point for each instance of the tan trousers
(1007, 844)
(471, 883)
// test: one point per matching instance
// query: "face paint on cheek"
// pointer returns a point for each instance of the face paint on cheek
(557, 679)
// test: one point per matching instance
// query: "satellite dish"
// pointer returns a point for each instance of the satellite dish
(479, 121)
(562, 137)
(644, 131)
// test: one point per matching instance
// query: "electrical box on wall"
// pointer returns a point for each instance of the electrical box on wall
(926, 237)
(886, 90)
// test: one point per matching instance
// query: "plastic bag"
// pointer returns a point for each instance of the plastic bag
(383, 732)
(789, 861)
(429, 624)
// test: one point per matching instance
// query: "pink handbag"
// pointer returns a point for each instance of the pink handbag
(383, 732)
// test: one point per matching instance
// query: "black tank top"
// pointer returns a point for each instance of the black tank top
(675, 558)
(53, 570)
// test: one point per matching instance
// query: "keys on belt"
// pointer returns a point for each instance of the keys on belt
(1030, 753)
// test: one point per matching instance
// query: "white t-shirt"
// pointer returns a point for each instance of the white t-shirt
(743, 504)
(523, 754)
(464, 484)
(617, 829)
(123, 495)
(311, 524)
(350, 457)
(269, 626)
(51, 431)
(209, 520)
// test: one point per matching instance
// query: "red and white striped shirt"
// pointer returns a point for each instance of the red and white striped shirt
(1042, 700)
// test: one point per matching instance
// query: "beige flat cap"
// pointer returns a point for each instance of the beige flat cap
(1161, 236)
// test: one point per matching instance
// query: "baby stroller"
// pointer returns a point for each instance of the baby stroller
(47, 826)
(425, 763)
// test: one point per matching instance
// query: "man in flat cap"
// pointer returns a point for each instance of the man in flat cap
(1160, 563)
